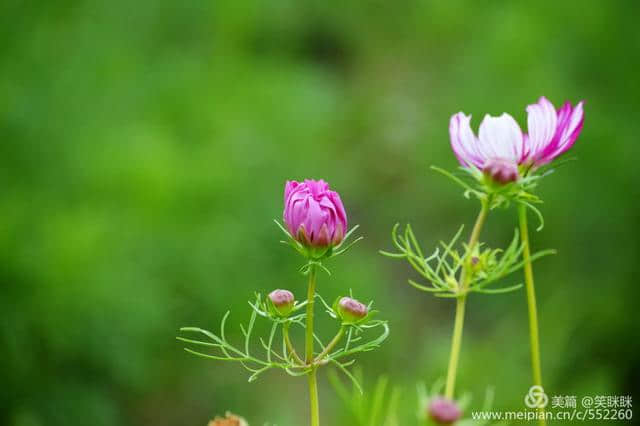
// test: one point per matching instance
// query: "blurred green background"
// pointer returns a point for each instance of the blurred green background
(144, 150)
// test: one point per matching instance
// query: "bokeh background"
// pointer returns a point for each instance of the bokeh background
(144, 149)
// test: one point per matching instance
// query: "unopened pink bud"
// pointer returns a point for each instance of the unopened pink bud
(351, 311)
(444, 411)
(313, 214)
(282, 301)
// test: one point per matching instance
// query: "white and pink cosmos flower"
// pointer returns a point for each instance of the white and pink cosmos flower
(501, 146)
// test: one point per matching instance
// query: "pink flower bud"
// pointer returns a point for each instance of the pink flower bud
(444, 411)
(313, 214)
(351, 311)
(228, 420)
(282, 301)
(501, 171)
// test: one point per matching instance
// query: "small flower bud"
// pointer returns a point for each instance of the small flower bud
(351, 311)
(444, 411)
(228, 420)
(477, 264)
(282, 302)
(501, 171)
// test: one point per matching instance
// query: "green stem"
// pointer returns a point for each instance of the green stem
(332, 344)
(313, 381)
(287, 340)
(465, 276)
(534, 335)
(456, 343)
(313, 398)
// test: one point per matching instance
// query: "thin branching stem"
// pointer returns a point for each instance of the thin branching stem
(465, 276)
(292, 350)
(332, 344)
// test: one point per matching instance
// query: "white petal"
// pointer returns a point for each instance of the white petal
(500, 137)
(463, 141)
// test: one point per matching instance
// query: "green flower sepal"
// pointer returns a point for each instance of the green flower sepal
(314, 254)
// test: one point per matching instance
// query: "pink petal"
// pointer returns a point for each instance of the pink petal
(571, 129)
(322, 238)
(338, 234)
(317, 187)
(302, 235)
(541, 125)
(341, 213)
(289, 187)
(315, 218)
(570, 121)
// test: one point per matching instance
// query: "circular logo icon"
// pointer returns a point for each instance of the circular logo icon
(587, 402)
(536, 398)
